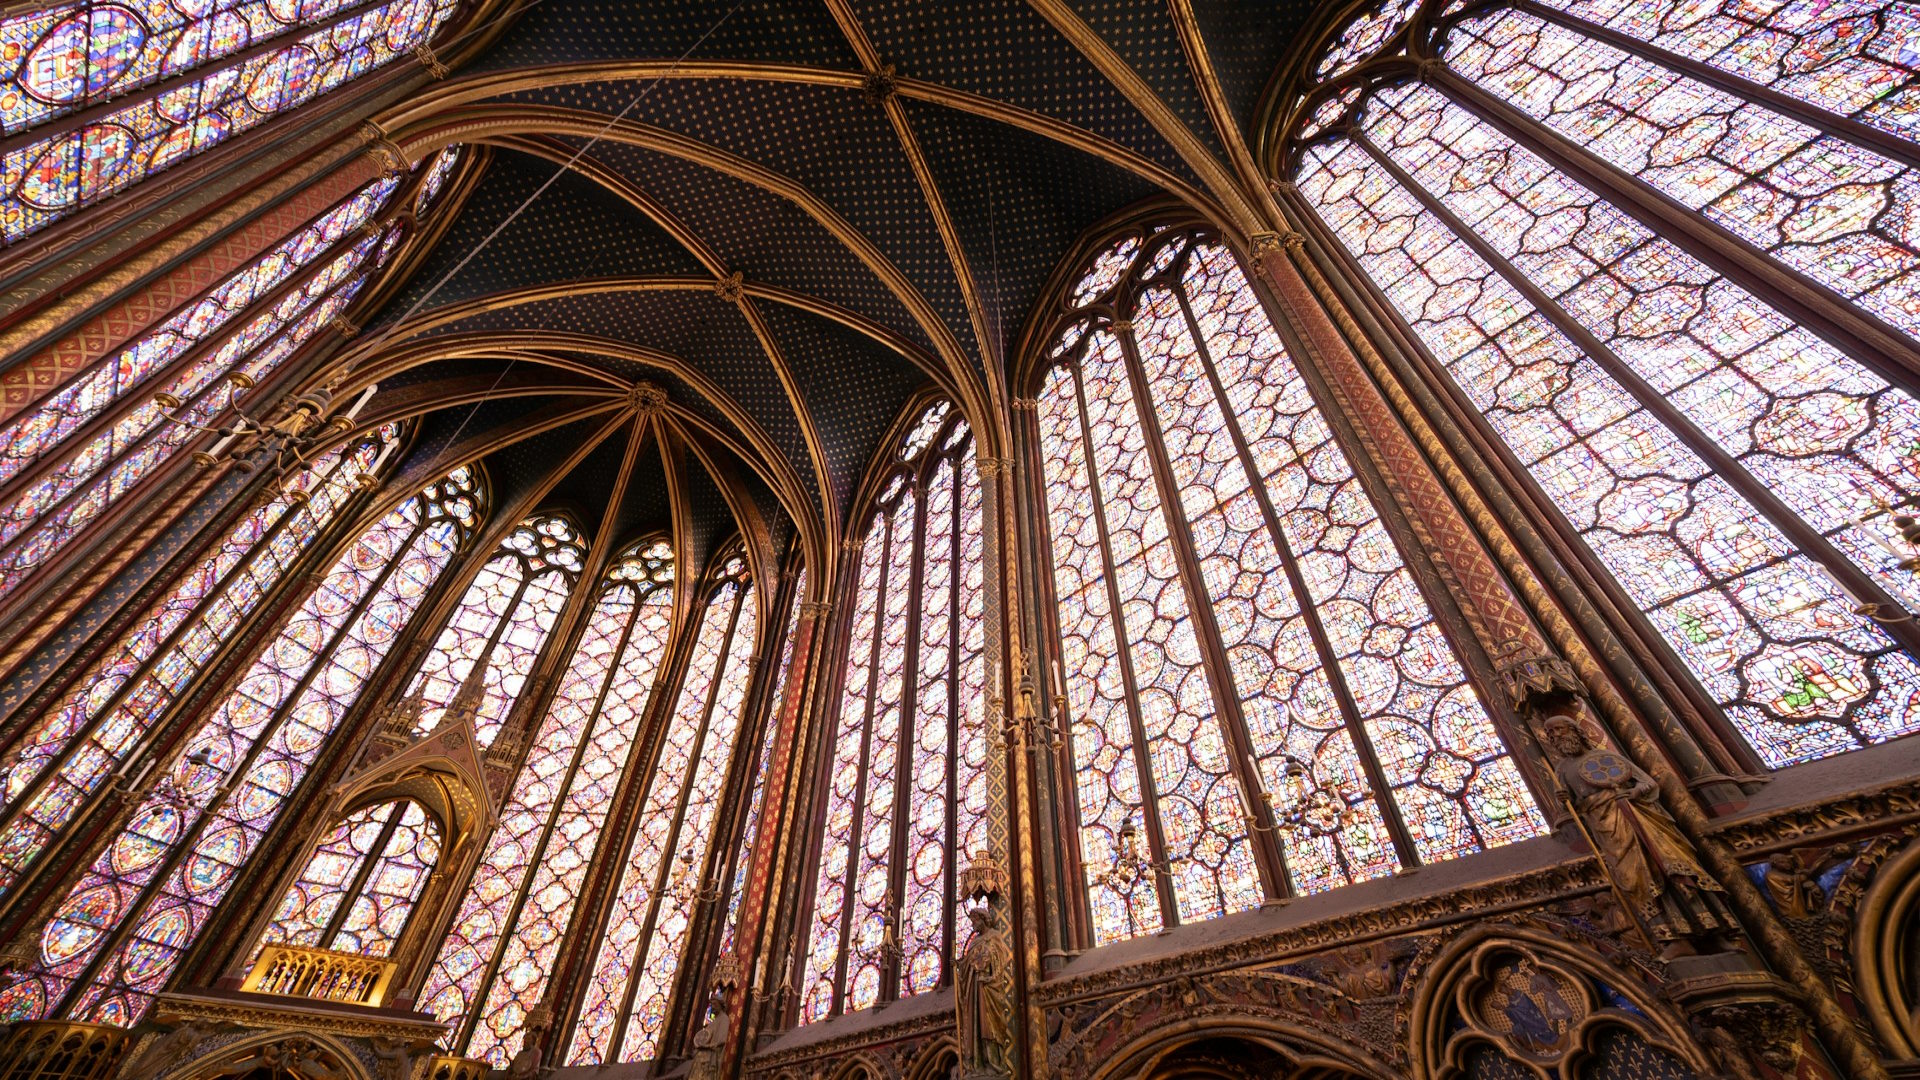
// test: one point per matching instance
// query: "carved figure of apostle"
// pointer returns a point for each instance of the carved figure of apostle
(1651, 861)
(984, 985)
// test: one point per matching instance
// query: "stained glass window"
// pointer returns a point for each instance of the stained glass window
(1239, 633)
(495, 962)
(77, 745)
(1732, 467)
(117, 937)
(359, 887)
(666, 881)
(502, 623)
(77, 452)
(144, 86)
(906, 787)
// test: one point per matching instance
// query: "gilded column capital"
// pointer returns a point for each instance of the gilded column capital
(345, 327)
(1123, 326)
(1530, 677)
(993, 466)
(1026, 404)
(1272, 243)
(816, 609)
(382, 149)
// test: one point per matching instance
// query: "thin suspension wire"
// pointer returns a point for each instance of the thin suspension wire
(564, 168)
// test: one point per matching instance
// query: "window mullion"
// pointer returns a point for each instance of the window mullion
(1123, 650)
(1824, 120)
(561, 791)
(1309, 613)
(956, 575)
(189, 77)
(190, 836)
(903, 768)
(374, 854)
(858, 815)
(1802, 535)
(1883, 349)
(133, 397)
(1228, 714)
(670, 848)
(52, 766)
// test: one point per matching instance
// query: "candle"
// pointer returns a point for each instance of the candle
(225, 441)
(361, 402)
(385, 453)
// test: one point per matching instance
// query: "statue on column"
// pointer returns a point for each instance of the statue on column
(1650, 860)
(710, 1042)
(983, 990)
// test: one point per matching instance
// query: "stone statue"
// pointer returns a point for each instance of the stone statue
(710, 1042)
(1651, 861)
(525, 1064)
(984, 996)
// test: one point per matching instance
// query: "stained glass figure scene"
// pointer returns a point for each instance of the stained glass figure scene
(140, 87)
(910, 741)
(1246, 657)
(360, 885)
(673, 864)
(77, 452)
(116, 938)
(493, 966)
(1732, 460)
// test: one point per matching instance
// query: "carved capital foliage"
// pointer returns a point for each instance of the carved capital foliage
(1531, 680)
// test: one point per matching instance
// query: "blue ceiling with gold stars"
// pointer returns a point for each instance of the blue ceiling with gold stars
(790, 217)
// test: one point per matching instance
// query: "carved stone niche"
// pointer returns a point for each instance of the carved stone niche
(1511, 1001)
(1883, 944)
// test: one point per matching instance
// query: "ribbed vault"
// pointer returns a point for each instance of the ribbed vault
(792, 217)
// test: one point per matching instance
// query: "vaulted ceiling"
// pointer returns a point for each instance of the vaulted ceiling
(791, 217)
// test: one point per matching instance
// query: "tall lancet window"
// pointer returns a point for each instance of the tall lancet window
(359, 887)
(667, 880)
(906, 786)
(1665, 253)
(96, 96)
(76, 453)
(116, 938)
(1236, 622)
(500, 626)
(65, 760)
(497, 959)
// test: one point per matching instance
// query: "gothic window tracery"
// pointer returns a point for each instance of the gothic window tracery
(117, 92)
(666, 880)
(118, 935)
(493, 967)
(501, 625)
(906, 795)
(359, 887)
(1729, 443)
(77, 452)
(1241, 641)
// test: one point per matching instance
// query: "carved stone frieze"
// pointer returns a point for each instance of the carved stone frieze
(1893, 805)
(1477, 902)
